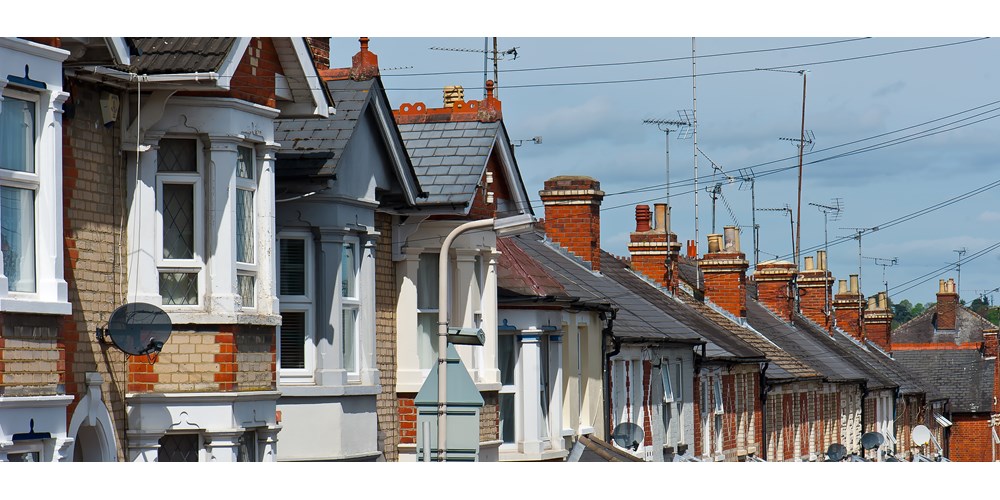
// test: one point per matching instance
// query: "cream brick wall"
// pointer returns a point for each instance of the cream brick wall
(387, 405)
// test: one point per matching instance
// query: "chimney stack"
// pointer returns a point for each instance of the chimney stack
(654, 250)
(573, 216)
(847, 308)
(878, 321)
(774, 287)
(724, 271)
(364, 64)
(947, 305)
(815, 287)
(453, 93)
(319, 47)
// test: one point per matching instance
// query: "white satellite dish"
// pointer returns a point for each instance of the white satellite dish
(920, 435)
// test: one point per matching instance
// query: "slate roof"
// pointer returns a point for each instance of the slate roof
(449, 158)
(615, 269)
(959, 374)
(314, 147)
(518, 275)
(969, 327)
(637, 319)
(159, 55)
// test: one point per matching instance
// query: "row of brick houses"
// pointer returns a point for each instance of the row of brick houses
(290, 222)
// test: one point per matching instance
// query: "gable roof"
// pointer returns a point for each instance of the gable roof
(961, 375)
(312, 148)
(922, 329)
(449, 158)
(164, 55)
(636, 319)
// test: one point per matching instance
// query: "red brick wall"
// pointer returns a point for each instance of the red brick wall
(575, 227)
(970, 439)
(947, 304)
(774, 287)
(319, 47)
(813, 292)
(847, 315)
(253, 79)
(480, 208)
(407, 419)
(724, 277)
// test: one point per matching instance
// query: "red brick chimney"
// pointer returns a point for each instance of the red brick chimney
(364, 64)
(815, 287)
(573, 216)
(878, 321)
(847, 308)
(724, 271)
(774, 287)
(947, 305)
(654, 250)
(319, 47)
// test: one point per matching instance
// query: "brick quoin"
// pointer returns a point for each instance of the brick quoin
(573, 217)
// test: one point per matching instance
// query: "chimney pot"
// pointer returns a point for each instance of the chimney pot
(854, 283)
(841, 286)
(662, 217)
(821, 260)
(642, 218)
(692, 249)
(809, 264)
(731, 239)
(714, 243)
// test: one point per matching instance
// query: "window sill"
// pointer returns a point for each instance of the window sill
(181, 317)
(30, 306)
(305, 391)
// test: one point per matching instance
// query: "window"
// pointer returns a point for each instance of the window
(178, 448)
(670, 376)
(245, 242)
(719, 412)
(179, 205)
(18, 184)
(508, 354)
(427, 310)
(26, 451)
(350, 304)
(296, 345)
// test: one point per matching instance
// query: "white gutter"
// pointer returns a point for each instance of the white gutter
(196, 77)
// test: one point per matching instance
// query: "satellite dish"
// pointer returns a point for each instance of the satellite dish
(138, 328)
(872, 440)
(628, 435)
(836, 452)
(920, 435)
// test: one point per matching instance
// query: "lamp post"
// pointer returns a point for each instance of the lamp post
(506, 226)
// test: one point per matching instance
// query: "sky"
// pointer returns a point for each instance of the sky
(901, 124)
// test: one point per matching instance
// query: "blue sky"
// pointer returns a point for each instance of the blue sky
(598, 130)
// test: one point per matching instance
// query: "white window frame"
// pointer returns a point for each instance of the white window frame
(351, 304)
(197, 261)
(511, 388)
(299, 303)
(718, 413)
(250, 185)
(30, 181)
(426, 365)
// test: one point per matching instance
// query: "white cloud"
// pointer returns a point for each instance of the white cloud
(989, 216)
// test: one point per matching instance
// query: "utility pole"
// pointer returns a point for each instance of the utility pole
(682, 128)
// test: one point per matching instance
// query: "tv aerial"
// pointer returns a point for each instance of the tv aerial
(137, 329)
(628, 435)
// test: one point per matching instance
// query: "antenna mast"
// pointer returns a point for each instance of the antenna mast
(858, 232)
(960, 252)
(694, 125)
(683, 132)
(834, 209)
(791, 218)
(879, 261)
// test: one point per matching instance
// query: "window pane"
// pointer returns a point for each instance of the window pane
(177, 155)
(348, 273)
(507, 417)
(178, 448)
(292, 264)
(292, 335)
(28, 456)
(349, 321)
(244, 162)
(179, 289)
(17, 135)
(245, 284)
(427, 281)
(17, 238)
(178, 221)
(507, 355)
(668, 388)
(427, 341)
(244, 226)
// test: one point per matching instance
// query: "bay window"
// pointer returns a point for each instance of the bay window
(180, 210)
(296, 344)
(245, 242)
(18, 184)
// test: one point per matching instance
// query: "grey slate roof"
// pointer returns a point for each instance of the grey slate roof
(619, 272)
(159, 55)
(921, 330)
(959, 374)
(314, 147)
(449, 158)
(636, 320)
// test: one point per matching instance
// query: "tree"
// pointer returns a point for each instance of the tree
(902, 312)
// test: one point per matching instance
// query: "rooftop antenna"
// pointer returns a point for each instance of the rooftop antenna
(682, 127)
(716, 190)
(497, 55)
(791, 218)
(958, 286)
(879, 261)
(694, 126)
(831, 211)
(534, 140)
(747, 176)
(858, 233)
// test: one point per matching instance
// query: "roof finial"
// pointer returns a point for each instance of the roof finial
(364, 64)
(489, 108)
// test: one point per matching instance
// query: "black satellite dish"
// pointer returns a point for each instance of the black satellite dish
(628, 435)
(836, 452)
(872, 440)
(139, 328)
